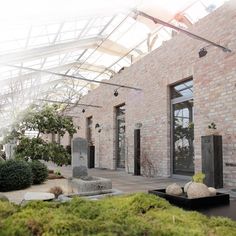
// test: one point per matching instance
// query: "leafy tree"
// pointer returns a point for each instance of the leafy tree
(46, 119)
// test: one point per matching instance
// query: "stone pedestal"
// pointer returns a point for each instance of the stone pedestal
(96, 185)
(212, 160)
(10, 149)
(137, 164)
(79, 152)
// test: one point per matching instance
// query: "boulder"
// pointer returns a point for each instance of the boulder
(186, 186)
(174, 189)
(197, 190)
(212, 191)
(3, 198)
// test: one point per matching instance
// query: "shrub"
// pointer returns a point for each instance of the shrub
(198, 177)
(56, 191)
(34, 149)
(14, 175)
(130, 215)
(39, 171)
(58, 154)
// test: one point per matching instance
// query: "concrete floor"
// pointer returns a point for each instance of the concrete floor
(127, 183)
(122, 181)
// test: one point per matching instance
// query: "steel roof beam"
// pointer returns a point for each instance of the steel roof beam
(75, 77)
(110, 47)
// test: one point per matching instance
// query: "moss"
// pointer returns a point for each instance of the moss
(131, 215)
(6, 209)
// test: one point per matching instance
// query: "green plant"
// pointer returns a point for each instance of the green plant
(68, 149)
(57, 172)
(39, 171)
(212, 125)
(45, 119)
(14, 175)
(148, 168)
(2, 155)
(128, 215)
(198, 177)
(56, 191)
(58, 154)
(38, 149)
(34, 149)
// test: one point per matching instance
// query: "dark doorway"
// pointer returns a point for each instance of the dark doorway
(90, 139)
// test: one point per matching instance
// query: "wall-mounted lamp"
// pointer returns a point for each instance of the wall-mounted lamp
(99, 131)
(138, 125)
(116, 93)
(97, 126)
(83, 110)
(202, 52)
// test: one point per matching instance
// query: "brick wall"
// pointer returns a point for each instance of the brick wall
(214, 79)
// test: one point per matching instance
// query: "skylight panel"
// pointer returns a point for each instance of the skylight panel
(196, 11)
(67, 36)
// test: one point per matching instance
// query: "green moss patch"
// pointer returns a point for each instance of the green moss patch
(136, 214)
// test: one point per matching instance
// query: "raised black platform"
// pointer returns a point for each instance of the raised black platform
(193, 204)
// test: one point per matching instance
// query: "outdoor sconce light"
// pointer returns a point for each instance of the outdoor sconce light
(202, 52)
(97, 126)
(83, 110)
(138, 125)
(116, 93)
(99, 131)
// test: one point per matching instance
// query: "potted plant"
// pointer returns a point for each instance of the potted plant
(211, 129)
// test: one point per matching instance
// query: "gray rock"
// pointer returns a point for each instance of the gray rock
(80, 171)
(197, 190)
(3, 198)
(174, 189)
(63, 198)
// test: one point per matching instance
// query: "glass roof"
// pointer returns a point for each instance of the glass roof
(89, 39)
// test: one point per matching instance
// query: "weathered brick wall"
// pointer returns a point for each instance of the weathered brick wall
(214, 79)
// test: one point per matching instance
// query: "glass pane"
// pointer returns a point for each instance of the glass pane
(120, 116)
(121, 110)
(121, 144)
(182, 90)
(90, 137)
(183, 136)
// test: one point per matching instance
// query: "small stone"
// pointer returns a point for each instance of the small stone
(212, 191)
(174, 189)
(80, 171)
(197, 190)
(63, 198)
(186, 186)
(29, 196)
(3, 198)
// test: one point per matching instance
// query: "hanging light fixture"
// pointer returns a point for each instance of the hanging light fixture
(202, 52)
(116, 93)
